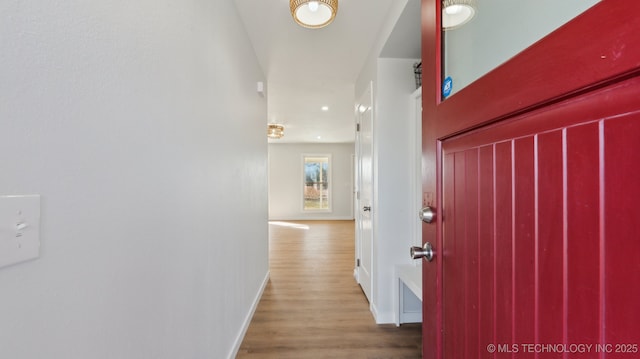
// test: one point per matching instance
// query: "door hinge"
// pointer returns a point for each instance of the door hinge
(357, 127)
(358, 262)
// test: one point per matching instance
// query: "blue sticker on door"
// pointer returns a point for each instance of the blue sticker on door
(447, 86)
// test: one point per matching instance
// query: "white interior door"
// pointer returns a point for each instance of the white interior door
(364, 215)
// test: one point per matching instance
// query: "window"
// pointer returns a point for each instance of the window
(316, 189)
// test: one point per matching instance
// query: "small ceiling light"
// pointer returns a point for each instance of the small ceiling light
(325, 108)
(275, 131)
(313, 14)
(456, 13)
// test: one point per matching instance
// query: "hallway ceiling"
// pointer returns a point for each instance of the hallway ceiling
(307, 69)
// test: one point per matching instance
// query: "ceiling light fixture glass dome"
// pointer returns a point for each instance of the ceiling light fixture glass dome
(456, 13)
(313, 14)
(275, 131)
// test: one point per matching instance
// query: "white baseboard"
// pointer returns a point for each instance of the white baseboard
(385, 318)
(412, 317)
(381, 317)
(247, 320)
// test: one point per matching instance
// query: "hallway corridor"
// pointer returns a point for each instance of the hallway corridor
(313, 308)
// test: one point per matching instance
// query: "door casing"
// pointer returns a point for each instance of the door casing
(364, 220)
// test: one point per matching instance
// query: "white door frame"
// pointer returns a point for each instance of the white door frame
(415, 171)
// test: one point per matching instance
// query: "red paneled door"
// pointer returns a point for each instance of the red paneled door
(537, 238)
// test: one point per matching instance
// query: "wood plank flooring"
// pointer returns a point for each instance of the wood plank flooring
(313, 308)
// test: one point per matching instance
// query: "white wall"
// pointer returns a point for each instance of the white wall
(368, 72)
(392, 210)
(392, 167)
(502, 29)
(139, 124)
(286, 176)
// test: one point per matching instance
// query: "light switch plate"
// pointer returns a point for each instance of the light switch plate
(19, 229)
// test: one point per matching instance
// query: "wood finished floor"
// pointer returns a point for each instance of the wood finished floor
(313, 308)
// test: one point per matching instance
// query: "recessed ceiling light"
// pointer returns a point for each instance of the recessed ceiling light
(325, 108)
(319, 137)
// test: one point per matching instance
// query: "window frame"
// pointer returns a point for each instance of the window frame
(329, 181)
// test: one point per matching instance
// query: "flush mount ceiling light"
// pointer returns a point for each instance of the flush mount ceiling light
(275, 131)
(456, 13)
(313, 14)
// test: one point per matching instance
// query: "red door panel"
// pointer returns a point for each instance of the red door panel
(487, 247)
(620, 234)
(503, 199)
(471, 258)
(537, 191)
(550, 234)
(455, 272)
(582, 252)
(534, 251)
(524, 242)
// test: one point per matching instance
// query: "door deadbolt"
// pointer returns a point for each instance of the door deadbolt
(427, 214)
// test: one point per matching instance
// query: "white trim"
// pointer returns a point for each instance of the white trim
(374, 310)
(407, 277)
(353, 182)
(356, 189)
(247, 320)
(382, 317)
(415, 167)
